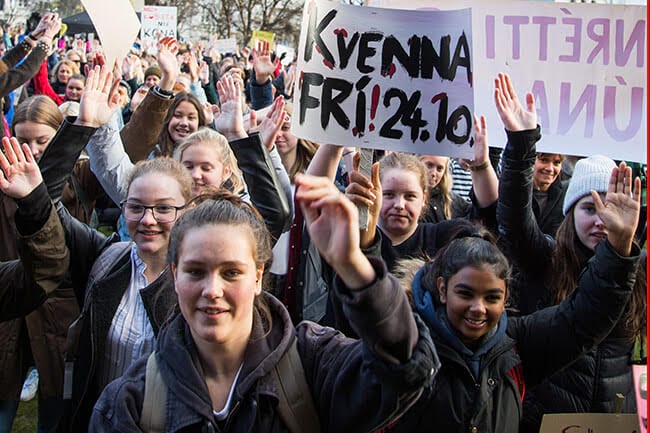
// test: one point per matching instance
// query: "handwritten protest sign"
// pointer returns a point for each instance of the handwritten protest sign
(261, 35)
(385, 79)
(109, 17)
(157, 23)
(585, 64)
(225, 45)
(589, 423)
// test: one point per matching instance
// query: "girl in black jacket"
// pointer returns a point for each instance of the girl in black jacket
(548, 270)
(217, 357)
(488, 359)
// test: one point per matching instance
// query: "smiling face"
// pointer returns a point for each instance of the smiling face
(150, 189)
(402, 203)
(202, 161)
(64, 73)
(183, 122)
(546, 170)
(74, 89)
(36, 135)
(474, 300)
(217, 280)
(589, 227)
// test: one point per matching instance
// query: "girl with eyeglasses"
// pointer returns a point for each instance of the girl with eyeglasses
(126, 288)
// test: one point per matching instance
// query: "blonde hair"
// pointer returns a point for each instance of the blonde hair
(225, 155)
(70, 64)
(406, 162)
(167, 166)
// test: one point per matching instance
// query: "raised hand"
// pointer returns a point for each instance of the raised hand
(620, 212)
(333, 224)
(230, 121)
(208, 113)
(262, 64)
(194, 66)
(512, 113)
(48, 27)
(20, 174)
(481, 151)
(99, 99)
(204, 72)
(270, 124)
(365, 192)
(167, 50)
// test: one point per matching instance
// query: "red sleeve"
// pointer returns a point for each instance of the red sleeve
(42, 85)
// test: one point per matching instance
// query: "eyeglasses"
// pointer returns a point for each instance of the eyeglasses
(162, 213)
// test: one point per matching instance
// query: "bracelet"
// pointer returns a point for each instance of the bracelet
(43, 45)
(480, 167)
(162, 92)
(30, 36)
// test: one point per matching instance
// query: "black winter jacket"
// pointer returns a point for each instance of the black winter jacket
(592, 382)
(533, 346)
(100, 300)
(355, 388)
(552, 216)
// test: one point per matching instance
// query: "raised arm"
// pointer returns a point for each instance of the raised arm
(520, 235)
(393, 341)
(253, 159)
(140, 134)
(108, 159)
(590, 313)
(484, 179)
(44, 257)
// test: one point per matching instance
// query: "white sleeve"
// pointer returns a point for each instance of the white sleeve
(109, 161)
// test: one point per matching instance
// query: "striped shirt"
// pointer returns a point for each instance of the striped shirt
(461, 180)
(130, 335)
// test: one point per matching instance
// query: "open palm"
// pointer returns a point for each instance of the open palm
(20, 173)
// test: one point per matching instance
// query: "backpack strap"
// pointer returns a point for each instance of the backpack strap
(100, 268)
(295, 404)
(152, 418)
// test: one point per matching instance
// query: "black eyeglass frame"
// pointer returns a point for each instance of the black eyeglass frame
(153, 210)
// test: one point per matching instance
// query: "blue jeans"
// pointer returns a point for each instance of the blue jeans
(8, 410)
(50, 411)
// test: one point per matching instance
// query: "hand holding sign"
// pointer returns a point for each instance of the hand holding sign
(363, 191)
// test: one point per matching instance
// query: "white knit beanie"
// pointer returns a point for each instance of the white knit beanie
(591, 173)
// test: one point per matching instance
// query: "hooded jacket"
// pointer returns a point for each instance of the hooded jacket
(477, 391)
(592, 382)
(356, 385)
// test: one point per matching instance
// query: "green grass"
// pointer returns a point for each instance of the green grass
(26, 418)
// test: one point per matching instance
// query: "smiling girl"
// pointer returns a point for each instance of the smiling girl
(218, 356)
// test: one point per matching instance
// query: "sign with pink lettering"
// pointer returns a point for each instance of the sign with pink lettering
(386, 79)
(585, 64)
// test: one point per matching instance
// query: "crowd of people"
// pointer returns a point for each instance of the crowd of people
(176, 259)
